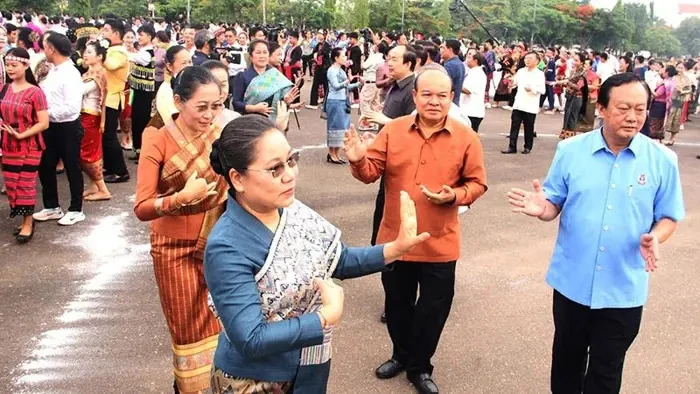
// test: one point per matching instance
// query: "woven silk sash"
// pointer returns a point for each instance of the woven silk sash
(305, 246)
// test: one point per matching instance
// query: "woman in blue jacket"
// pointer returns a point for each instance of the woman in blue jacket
(337, 108)
(268, 265)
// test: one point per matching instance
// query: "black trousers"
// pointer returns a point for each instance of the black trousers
(112, 155)
(307, 62)
(475, 123)
(140, 114)
(590, 346)
(528, 120)
(320, 79)
(415, 323)
(62, 143)
(378, 212)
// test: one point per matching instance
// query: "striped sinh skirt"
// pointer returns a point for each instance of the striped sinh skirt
(20, 171)
(91, 146)
(223, 383)
(183, 296)
(337, 123)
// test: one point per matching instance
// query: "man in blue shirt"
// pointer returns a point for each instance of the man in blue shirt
(619, 195)
(449, 52)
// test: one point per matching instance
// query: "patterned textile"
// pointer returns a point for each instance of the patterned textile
(20, 171)
(183, 296)
(337, 122)
(656, 128)
(305, 246)
(100, 78)
(223, 383)
(91, 146)
(271, 84)
(19, 110)
(143, 77)
(193, 157)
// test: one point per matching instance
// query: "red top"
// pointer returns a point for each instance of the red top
(19, 110)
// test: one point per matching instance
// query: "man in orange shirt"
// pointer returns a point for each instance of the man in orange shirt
(439, 162)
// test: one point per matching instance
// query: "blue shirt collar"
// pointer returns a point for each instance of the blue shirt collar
(599, 143)
(237, 213)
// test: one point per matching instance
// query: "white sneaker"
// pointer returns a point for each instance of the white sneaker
(487, 105)
(355, 106)
(71, 218)
(48, 214)
(507, 108)
(312, 107)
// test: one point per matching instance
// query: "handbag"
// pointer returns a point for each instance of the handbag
(348, 104)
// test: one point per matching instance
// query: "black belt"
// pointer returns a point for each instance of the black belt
(366, 82)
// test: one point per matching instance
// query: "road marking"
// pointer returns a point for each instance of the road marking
(54, 355)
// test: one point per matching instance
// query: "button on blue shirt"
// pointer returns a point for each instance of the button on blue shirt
(607, 203)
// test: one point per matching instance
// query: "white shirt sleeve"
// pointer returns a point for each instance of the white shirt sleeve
(142, 58)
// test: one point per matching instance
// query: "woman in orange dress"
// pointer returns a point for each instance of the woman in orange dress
(181, 195)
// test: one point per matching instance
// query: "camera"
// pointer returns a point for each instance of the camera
(367, 34)
(233, 55)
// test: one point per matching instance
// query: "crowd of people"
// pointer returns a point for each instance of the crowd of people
(244, 270)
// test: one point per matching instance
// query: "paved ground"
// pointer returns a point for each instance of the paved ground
(79, 310)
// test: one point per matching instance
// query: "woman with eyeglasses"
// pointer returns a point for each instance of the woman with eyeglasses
(179, 193)
(269, 266)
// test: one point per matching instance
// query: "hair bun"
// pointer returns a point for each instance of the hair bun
(215, 159)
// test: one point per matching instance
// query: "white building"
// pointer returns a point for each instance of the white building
(672, 11)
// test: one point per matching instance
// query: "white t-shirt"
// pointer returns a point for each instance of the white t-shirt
(529, 101)
(473, 104)
(605, 70)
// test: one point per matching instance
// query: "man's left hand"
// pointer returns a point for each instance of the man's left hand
(649, 248)
(445, 196)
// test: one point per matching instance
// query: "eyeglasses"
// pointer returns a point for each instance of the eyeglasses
(214, 107)
(279, 169)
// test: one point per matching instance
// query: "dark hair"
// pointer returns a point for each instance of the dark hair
(43, 20)
(421, 53)
(273, 46)
(604, 56)
(335, 52)
(640, 58)
(254, 30)
(651, 62)
(671, 71)
(490, 42)
(453, 45)
(27, 17)
(237, 145)
(354, 35)
(10, 28)
(409, 56)
(99, 49)
(214, 65)
(117, 26)
(255, 43)
(24, 34)
(163, 36)
(616, 81)
(172, 52)
(60, 43)
(187, 81)
(148, 29)
(429, 47)
(28, 75)
(479, 57)
(293, 33)
(627, 60)
(581, 56)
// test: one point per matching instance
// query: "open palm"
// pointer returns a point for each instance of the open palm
(531, 203)
(355, 147)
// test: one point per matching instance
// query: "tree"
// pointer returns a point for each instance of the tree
(688, 33)
(659, 40)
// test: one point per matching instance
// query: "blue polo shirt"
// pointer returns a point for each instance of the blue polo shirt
(455, 69)
(607, 203)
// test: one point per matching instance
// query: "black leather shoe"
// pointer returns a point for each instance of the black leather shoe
(509, 151)
(389, 369)
(23, 239)
(382, 318)
(697, 157)
(116, 179)
(424, 384)
(525, 151)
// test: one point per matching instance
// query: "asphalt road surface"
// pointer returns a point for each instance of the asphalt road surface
(79, 309)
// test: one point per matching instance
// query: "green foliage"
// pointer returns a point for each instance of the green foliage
(661, 41)
(689, 35)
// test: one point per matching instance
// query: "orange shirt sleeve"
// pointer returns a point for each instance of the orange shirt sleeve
(150, 163)
(473, 173)
(371, 167)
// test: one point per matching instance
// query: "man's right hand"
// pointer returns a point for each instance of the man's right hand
(261, 108)
(530, 203)
(354, 146)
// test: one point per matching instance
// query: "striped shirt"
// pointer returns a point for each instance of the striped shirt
(19, 110)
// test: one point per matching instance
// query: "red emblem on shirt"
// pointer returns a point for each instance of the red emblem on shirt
(642, 180)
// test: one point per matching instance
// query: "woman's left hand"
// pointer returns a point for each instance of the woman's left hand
(282, 121)
(408, 237)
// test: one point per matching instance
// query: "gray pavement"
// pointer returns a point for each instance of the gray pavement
(79, 309)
